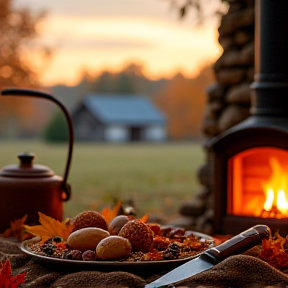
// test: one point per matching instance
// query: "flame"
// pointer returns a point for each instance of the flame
(282, 204)
(276, 189)
(269, 200)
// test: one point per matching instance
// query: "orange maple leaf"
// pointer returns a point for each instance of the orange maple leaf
(144, 218)
(17, 229)
(6, 278)
(109, 214)
(49, 228)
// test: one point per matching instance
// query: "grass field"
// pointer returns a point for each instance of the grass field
(158, 177)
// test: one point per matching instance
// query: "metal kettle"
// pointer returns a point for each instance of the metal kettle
(27, 188)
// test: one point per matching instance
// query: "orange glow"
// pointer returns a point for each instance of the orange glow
(276, 189)
(109, 43)
(258, 183)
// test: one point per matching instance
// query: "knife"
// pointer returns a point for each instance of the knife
(212, 256)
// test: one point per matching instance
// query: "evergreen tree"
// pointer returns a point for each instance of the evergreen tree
(57, 129)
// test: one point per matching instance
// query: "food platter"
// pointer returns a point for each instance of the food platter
(110, 265)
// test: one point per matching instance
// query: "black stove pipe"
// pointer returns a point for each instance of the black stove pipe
(270, 86)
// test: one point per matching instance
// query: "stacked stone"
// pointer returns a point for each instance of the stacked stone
(229, 97)
(228, 101)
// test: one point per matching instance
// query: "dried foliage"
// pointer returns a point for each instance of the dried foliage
(49, 228)
(109, 214)
(274, 252)
(17, 229)
(7, 280)
(144, 218)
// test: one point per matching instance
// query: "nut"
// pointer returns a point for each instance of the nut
(86, 238)
(117, 223)
(89, 219)
(113, 247)
(139, 235)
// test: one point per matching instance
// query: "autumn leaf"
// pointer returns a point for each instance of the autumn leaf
(274, 253)
(109, 214)
(144, 218)
(17, 229)
(49, 228)
(6, 278)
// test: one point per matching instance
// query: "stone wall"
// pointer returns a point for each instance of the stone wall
(228, 102)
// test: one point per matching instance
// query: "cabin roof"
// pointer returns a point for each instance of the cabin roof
(124, 109)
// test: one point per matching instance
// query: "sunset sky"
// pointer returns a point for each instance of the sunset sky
(107, 34)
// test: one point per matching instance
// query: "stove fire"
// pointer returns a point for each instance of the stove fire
(272, 209)
(276, 190)
(258, 183)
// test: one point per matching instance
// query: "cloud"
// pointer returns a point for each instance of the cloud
(104, 44)
(102, 8)
(101, 34)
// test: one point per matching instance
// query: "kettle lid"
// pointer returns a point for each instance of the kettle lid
(26, 168)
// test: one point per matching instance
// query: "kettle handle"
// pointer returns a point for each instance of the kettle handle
(39, 94)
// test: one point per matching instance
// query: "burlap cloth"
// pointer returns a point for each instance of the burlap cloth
(244, 270)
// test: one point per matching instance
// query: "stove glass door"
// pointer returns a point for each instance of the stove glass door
(258, 183)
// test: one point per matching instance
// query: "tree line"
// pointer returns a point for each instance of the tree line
(182, 99)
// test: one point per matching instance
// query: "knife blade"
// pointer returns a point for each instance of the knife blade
(212, 256)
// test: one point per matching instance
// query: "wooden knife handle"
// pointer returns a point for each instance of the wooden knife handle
(238, 244)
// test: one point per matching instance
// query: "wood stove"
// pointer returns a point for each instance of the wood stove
(250, 160)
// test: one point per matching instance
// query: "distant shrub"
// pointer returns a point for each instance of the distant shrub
(57, 129)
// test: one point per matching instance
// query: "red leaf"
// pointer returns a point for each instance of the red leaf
(6, 278)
